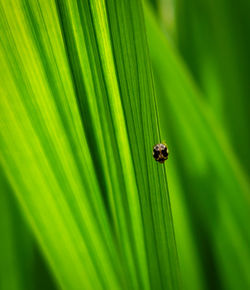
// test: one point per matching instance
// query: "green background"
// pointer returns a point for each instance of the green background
(87, 88)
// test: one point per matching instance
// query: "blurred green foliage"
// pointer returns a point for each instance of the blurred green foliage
(201, 73)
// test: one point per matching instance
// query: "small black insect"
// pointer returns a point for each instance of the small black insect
(160, 152)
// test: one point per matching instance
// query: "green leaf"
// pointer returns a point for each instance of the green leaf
(77, 127)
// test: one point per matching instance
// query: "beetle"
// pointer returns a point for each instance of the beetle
(160, 152)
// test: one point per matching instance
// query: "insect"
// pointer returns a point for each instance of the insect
(160, 152)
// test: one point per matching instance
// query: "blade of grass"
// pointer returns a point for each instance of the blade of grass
(137, 93)
(49, 186)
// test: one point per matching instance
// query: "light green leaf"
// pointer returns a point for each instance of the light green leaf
(77, 127)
